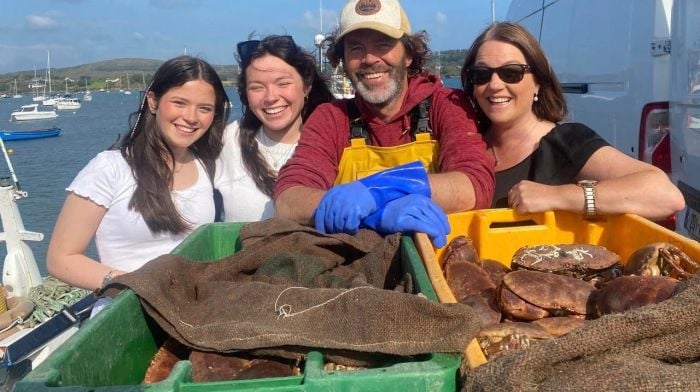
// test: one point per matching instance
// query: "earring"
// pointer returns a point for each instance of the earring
(536, 98)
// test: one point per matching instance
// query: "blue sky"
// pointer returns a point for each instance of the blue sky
(84, 31)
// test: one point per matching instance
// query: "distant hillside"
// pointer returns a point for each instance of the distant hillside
(97, 74)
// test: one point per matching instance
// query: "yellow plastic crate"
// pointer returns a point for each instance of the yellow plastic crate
(498, 233)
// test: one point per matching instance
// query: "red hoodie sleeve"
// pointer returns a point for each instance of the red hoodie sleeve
(462, 148)
(317, 156)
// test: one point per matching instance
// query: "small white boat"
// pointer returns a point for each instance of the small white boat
(68, 104)
(87, 97)
(49, 102)
(17, 95)
(32, 112)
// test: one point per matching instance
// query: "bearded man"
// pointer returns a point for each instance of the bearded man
(401, 153)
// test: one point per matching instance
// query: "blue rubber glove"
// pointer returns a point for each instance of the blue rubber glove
(343, 207)
(411, 214)
(399, 181)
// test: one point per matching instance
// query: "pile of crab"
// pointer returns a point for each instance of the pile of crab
(551, 289)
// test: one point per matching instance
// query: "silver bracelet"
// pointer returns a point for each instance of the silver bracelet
(107, 278)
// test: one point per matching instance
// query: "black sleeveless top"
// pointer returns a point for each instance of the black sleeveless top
(558, 159)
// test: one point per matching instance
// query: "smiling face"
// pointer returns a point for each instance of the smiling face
(377, 66)
(507, 105)
(275, 92)
(184, 113)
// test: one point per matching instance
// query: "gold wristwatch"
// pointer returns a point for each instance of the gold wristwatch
(589, 203)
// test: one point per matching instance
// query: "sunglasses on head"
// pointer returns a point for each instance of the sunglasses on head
(509, 73)
(245, 49)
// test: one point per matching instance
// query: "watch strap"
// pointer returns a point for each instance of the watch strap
(589, 202)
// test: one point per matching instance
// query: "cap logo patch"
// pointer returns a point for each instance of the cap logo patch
(368, 7)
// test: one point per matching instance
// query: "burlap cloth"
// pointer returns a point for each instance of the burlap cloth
(653, 348)
(293, 286)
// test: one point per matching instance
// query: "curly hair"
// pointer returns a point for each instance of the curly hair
(416, 46)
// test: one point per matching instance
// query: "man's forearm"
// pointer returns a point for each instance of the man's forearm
(298, 203)
(452, 191)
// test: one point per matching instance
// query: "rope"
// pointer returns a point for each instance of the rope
(51, 297)
(285, 310)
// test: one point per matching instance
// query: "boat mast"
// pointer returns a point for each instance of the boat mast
(48, 72)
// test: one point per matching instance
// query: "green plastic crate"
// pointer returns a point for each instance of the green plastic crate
(112, 351)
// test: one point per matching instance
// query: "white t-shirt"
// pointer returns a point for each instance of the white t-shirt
(243, 201)
(123, 240)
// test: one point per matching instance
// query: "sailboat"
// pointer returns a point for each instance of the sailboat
(67, 102)
(128, 86)
(35, 86)
(49, 101)
(16, 94)
(87, 97)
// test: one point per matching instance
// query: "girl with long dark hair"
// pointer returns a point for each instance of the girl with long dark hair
(279, 86)
(143, 199)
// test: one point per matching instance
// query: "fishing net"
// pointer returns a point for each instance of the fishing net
(50, 297)
(291, 288)
(652, 348)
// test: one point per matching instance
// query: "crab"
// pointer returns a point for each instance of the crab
(584, 261)
(496, 339)
(469, 282)
(460, 248)
(209, 366)
(531, 295)
(630, 292)
(661, 259)
(495, 269)
(557, 326)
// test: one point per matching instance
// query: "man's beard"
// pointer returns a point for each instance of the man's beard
(382, 96)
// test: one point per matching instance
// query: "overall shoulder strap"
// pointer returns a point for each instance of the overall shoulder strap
(420, 118)
(357, 126)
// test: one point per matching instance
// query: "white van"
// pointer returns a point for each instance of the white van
(613, 60)
(685, 112)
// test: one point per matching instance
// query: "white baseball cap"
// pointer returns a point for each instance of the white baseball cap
(384, 16)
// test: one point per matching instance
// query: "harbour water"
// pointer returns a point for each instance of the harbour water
(45, 167)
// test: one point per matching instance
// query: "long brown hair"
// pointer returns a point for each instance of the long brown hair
(148, 154)
(284, 48)
(551, 104)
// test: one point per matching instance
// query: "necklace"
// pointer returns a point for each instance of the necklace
(276, 153)
(493, 145)
(493, 152)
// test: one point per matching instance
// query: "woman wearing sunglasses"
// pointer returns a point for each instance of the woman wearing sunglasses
(541, 163)
(279, 86)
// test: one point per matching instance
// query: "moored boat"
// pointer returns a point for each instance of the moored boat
(68, 104)
(6, 135)
(32, 112)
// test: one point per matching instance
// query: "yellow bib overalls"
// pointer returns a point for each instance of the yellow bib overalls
(360, 160)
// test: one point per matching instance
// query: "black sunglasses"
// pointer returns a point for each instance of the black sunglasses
(245, 49)
(509, 73)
